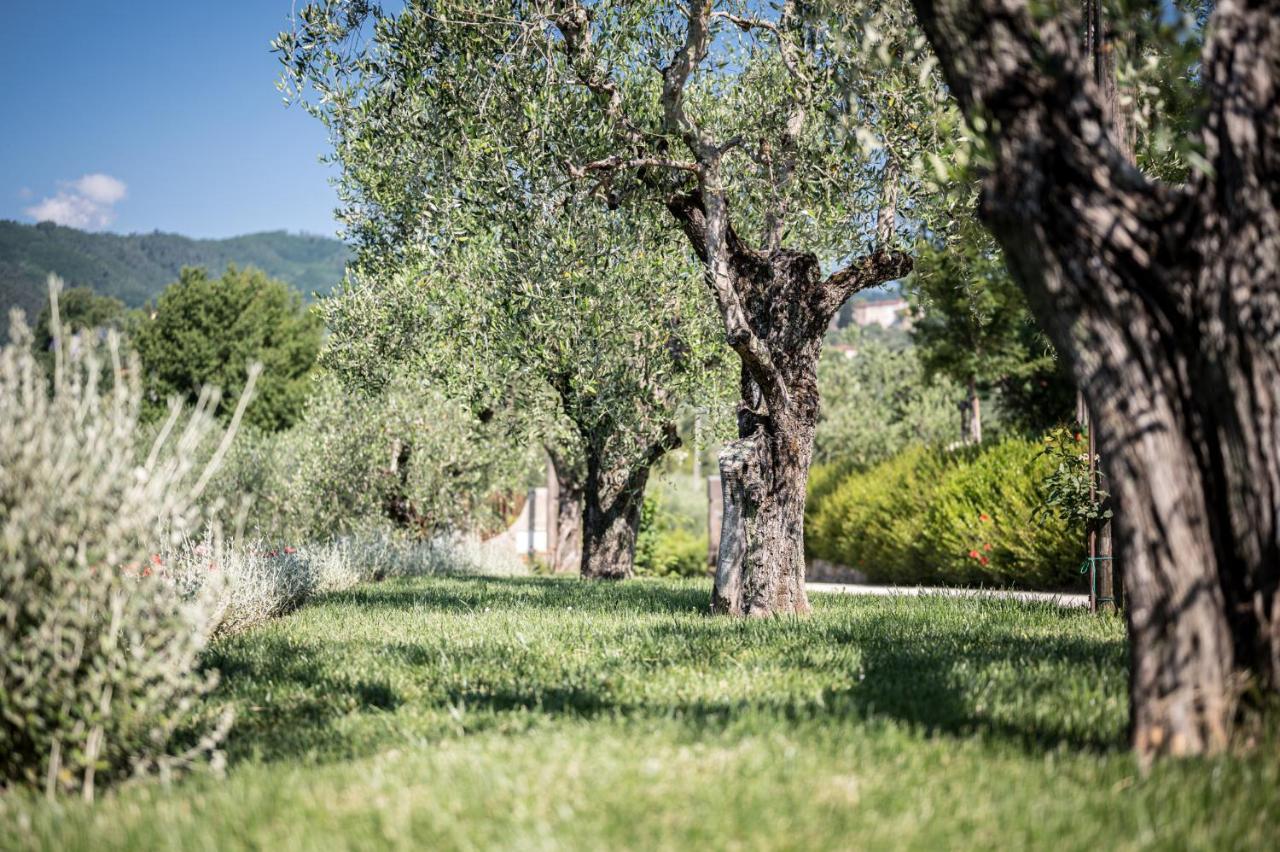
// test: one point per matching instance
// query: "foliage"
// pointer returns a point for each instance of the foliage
(80, 309)
(932, 517)
(876, 400)
(402, 461)
(983, 525)
(873, 519)
(667, 548)
(816, 114)
(515, 297)
(1067, 487)
(460, 713)
(243, 585)
(206, 331)
(98, 662)
(1158, 75)
(134, 268)
(971, 323)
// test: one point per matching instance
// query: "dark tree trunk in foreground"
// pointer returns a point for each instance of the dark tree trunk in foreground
(1167, 303)
(777, 312)
(612, 499)
(566, 549)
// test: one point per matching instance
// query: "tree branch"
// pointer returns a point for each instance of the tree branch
(617, 162)
(676, 76)
(867, 271)
(574, 25)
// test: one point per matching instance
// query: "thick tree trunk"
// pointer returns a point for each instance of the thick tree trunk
(613, 496)
(1167, 303)
(777, 307)
(764, 477)
(609, 534)
(566, 549)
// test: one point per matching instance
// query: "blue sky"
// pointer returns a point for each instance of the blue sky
(170, 111)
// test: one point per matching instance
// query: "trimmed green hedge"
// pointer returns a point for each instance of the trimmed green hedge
(945, 518)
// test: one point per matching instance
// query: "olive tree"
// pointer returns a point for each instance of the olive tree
(1165, 299)
(475, 262)
(783, 152)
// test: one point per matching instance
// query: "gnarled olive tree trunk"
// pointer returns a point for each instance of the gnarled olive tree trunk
(1166, 301)
(613, 495)
(776, 306)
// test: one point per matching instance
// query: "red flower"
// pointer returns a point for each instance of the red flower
(146, 572)
(986, 545)
(984, 517)
(156, 560)
(973, 554)
(985, 561)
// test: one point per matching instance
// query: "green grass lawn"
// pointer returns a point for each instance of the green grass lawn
(536, 713)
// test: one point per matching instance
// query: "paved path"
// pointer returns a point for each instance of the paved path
(912, 591)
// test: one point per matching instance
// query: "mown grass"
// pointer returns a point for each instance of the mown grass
(543, 713)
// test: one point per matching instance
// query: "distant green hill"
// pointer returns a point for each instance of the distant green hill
(137, 267)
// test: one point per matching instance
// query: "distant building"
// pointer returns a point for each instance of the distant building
(887, 310)
(893, 312)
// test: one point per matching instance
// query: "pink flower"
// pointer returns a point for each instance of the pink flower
(291, 550)
(973, 554)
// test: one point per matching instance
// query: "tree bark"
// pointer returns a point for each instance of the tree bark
(975, 412)
(609, 534)
(1166, 302)
(566, 549)
(613, 496)
(777, 307)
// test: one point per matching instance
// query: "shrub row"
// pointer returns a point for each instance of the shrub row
(931, 517)
(241, 587)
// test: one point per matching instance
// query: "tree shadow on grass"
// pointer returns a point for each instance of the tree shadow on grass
(287, 698)
(938, 688)
(921, 685)
(296, 691)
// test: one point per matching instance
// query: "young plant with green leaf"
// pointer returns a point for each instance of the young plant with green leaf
(972, 325)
